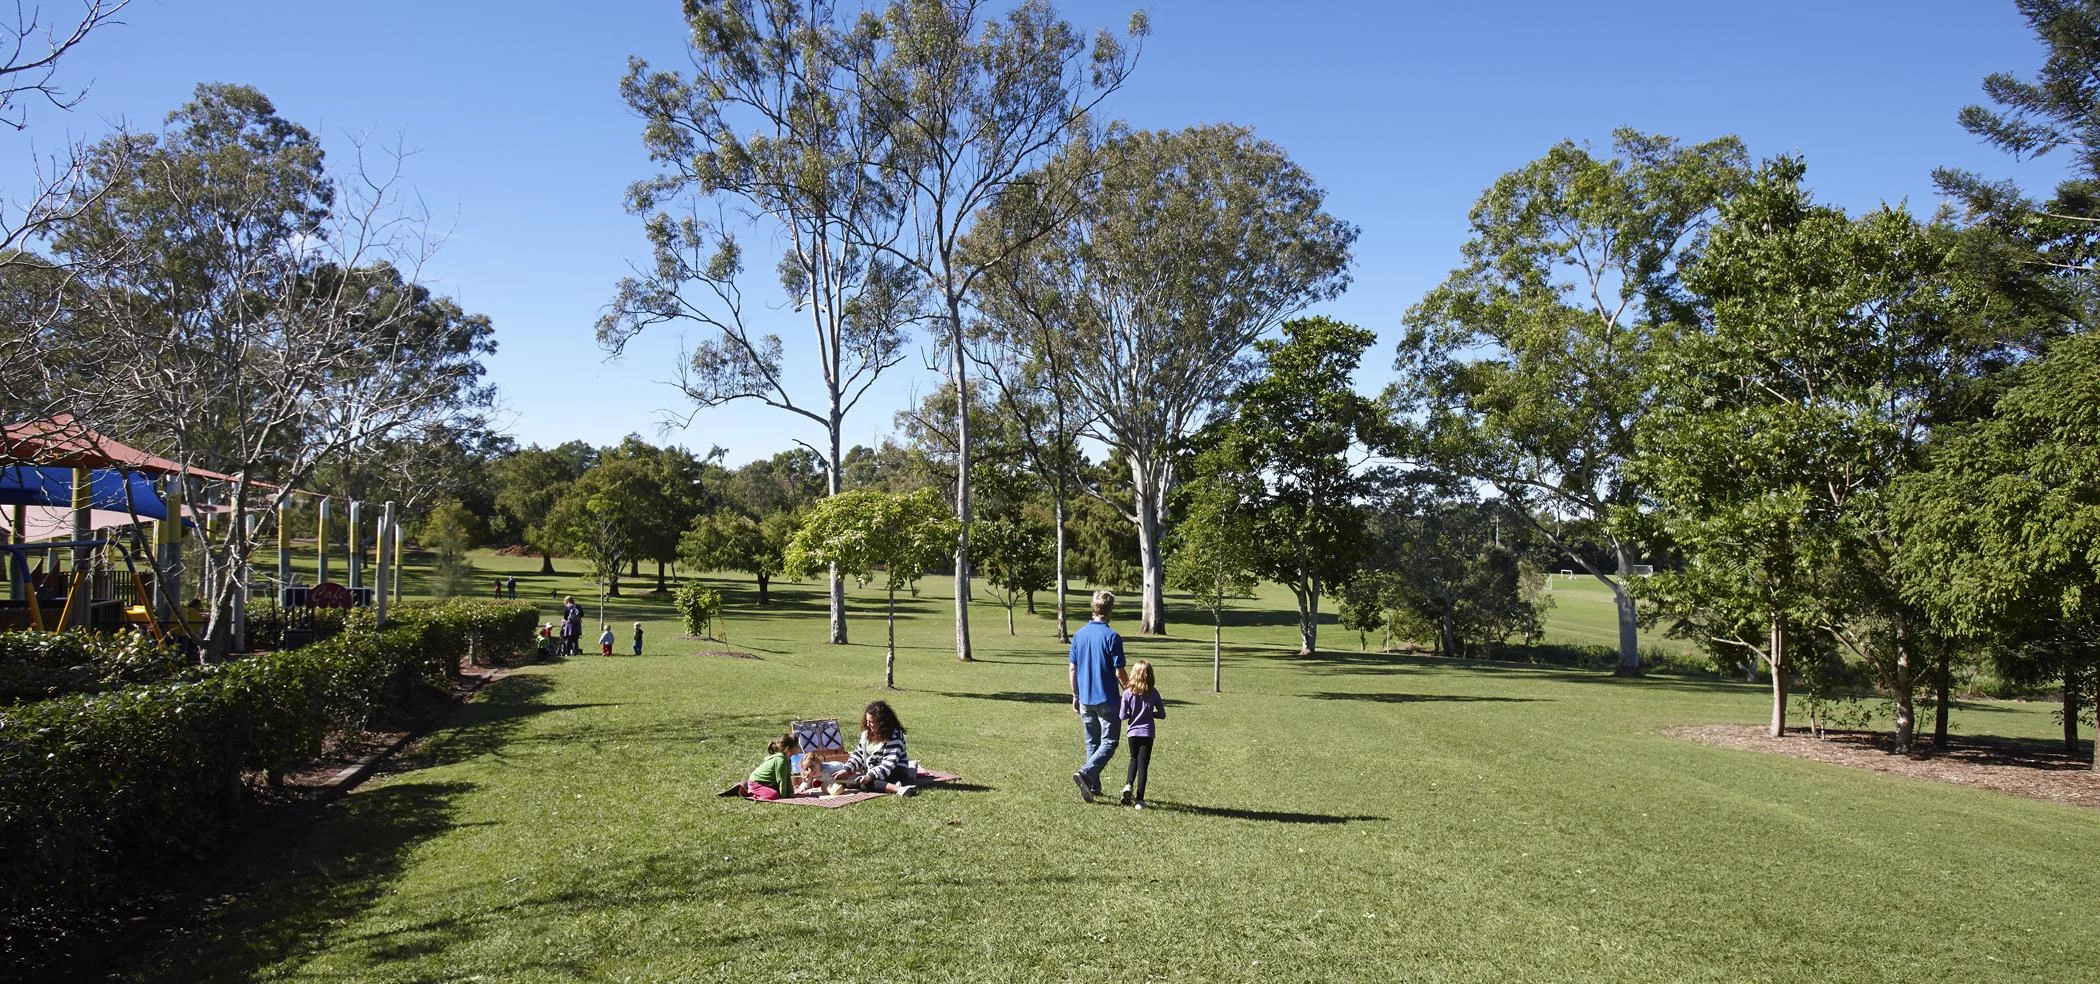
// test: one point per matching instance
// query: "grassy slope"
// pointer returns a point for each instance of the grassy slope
(1350, 817)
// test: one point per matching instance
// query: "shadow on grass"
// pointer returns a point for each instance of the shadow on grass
(1390, 698)
(1269, 816)
(281, 909)
(1029, 697)
(956, 787)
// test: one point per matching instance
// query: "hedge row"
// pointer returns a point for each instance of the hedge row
(96, 788)
(42, 665)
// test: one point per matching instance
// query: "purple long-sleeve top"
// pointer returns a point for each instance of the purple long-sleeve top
(1138, 712)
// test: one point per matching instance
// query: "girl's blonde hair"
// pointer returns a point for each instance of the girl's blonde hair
(1141, 678)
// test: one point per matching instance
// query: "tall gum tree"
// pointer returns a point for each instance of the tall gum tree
(1175, 253)
(1526, 366)
(973, 102)
(770, 122)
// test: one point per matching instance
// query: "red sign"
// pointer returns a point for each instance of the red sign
(329, 594)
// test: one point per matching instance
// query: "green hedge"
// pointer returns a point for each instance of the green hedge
(97, 788)
(43, 665)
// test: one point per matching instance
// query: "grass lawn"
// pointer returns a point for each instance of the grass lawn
(1346, 817)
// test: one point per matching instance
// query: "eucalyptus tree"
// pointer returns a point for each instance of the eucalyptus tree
(973, 102)
(1173, 254)
(269, 311)
(770, 123)
(1018, 344)
(1528, 364)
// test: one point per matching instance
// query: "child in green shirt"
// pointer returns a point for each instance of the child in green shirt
(773, 778)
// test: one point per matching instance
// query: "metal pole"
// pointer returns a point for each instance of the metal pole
(321, 544)
(18, 589)
(357, 545)
(167, 551)
(284, 547)
(388, 572)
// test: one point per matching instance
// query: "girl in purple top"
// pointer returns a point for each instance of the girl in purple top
(1141, 706)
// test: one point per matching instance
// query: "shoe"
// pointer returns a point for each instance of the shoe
(1086, 792)
(1126, 796)
(907, 790)
(1139, 805)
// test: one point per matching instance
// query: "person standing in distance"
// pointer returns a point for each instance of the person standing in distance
(1097, 682)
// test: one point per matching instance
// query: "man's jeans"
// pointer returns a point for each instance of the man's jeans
(1102, 727)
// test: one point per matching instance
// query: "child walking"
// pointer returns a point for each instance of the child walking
(1141, 707)
(605, 642)
(637, 638)
(772, 779)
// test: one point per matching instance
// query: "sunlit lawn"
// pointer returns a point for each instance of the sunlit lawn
(1346, 817)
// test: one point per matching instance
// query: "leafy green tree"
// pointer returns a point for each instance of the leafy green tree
(773, 122)
(971, 102)
(450, 531)
(1998, 535)
(732, 541)
(1292, 446)
(699, 607)
(1015, 559)
(1213, 560)
(1173, 252)
(863, 530)
(1529, 364)
(677, 498)
(605, 518)
(1783, 420)
(527, 485)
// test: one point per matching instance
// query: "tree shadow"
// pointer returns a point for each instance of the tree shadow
(279, 907)
(1268, 816)
(1030, 697)
(1393, 698)
(957, 786)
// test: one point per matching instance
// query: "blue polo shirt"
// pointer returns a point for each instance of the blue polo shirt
(1098, 653)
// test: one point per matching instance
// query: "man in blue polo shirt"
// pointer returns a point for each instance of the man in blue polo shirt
(1097, 683)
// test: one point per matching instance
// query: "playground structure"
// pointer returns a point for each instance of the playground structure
(97, 535)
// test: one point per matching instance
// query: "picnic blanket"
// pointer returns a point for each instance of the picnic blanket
(926, 777)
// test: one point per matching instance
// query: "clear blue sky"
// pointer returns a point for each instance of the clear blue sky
(1405, 115)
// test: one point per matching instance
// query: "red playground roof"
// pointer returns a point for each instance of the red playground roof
(62, 441)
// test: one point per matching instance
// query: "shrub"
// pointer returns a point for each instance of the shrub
(96, 788)
(43, 665)
(699, 607)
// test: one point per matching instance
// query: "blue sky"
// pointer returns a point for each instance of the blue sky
(523, 147)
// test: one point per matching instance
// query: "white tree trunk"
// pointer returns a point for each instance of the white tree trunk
(1629, 622)
(1150, 493)
(838, 582)
(962, 481)
(1057, 508)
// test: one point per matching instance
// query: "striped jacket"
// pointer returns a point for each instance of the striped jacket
(884, 762)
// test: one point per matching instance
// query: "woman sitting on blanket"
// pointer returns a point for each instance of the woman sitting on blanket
(878, 763)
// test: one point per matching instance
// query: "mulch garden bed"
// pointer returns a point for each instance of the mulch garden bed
(2032, 768)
